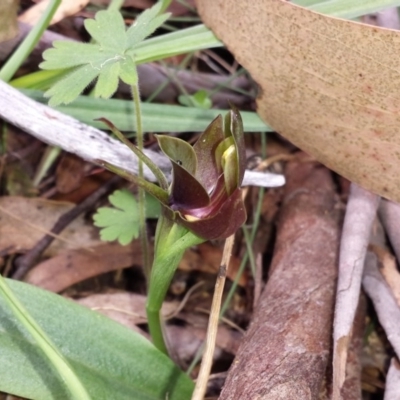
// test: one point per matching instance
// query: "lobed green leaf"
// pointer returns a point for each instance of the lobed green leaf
(120, 222)
(108, 30)
(145, 25)
(68, 88)
(107, 82)
(66, 54)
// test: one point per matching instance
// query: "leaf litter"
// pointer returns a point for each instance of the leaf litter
(71, 266)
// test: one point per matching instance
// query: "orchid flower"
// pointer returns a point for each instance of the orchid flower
(203, 201)
(206, 180)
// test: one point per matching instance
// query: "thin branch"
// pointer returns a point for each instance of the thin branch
(389, 213)
(58, 129)
(392, 386)
(385, 304)
(360, 214)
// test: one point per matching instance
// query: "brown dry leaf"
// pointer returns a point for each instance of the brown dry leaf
(69, 173)
(330, 86)
(72, 266)
(8, 19)
(66, 9)
(129, 309)
(23, 221)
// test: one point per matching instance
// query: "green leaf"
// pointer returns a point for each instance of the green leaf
(19, 56)
(107, 21)
(352, 9)
(65, 54)
(107, 83)
(110, 58)
(120, 222)
(54, 356)
(128, 71)
(146, 23)
(112, 361)
(68, 88)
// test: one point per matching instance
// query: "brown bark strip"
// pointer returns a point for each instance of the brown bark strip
(285, 352)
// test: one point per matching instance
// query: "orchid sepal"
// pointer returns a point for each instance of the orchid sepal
(160, 194)
(162, 180)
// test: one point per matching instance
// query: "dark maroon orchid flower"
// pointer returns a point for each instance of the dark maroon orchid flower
(205, 191)
(204, 195)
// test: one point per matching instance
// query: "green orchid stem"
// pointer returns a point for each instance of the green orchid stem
(171, 242)
(58, 361)
(141, 192)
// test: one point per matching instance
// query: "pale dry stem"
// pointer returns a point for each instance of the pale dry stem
(201, 383)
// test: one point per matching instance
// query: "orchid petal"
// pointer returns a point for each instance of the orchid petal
(234, 128)
(186, 191)
(220, 150)
(231, 170)
(207, 171)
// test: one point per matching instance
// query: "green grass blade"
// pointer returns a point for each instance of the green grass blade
(19, 56)
(156, 117)
(308, 3)
(39, 80)
(183, 41)
(353, 8)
